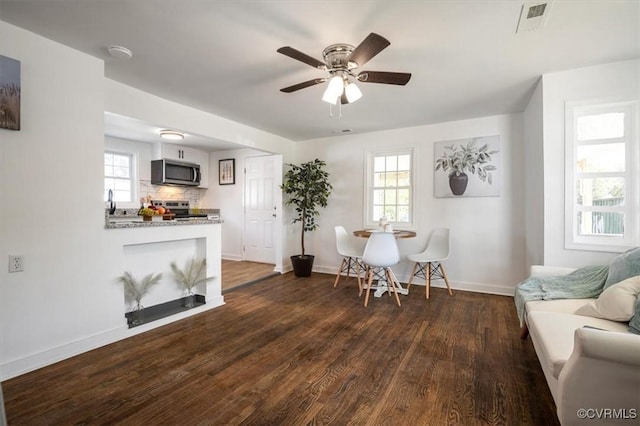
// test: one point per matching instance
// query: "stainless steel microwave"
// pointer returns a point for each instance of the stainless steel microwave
(173, 172)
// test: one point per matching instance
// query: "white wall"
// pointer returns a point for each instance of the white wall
(51, 199)
(487, 233)
(620, 80)
(534, 179)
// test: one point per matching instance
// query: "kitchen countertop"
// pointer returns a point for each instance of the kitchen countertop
(128, 218)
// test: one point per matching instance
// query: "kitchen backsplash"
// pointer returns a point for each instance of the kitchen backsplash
(161, 192)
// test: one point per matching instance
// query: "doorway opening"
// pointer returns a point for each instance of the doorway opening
(262, 226)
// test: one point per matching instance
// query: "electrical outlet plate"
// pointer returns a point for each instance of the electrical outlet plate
(16, 263)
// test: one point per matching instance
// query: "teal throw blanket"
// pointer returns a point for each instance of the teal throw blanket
(582, 283)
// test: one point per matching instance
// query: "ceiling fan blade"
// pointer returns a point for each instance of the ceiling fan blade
(302, 57)
(399, 78)
(370, 47)
(303, 85)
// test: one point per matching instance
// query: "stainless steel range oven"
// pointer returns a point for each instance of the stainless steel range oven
(180, 208)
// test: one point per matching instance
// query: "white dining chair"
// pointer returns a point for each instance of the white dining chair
(351, 251)
(428, 264)
(380, 254)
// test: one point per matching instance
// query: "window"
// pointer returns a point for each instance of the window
(602, 176)
(390, 188)
(119, 176)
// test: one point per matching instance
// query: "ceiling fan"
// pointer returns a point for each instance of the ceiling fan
(341, 61)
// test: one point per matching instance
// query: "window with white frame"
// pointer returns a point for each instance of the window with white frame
(602, 176)
(119, 176)
(389, 189)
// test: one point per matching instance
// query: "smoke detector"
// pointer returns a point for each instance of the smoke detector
(533, 15)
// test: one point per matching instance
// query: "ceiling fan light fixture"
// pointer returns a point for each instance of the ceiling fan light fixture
(334, 89)
(352, 92)
(171, 135)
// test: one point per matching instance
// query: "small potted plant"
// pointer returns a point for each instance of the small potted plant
(147, 213)
(307, 187)
(459, 159)
(190, 277)
(136, 290)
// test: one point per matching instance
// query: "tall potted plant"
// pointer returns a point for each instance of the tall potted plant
(307, 187)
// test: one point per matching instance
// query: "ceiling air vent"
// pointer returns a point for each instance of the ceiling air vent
(533, 15)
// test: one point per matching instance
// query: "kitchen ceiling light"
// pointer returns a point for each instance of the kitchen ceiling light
(119, 52)
(171, 135)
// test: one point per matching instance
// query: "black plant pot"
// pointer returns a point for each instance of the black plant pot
(458, 183)
(302, 265)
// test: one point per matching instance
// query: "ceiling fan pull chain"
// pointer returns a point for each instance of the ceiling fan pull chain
(330, 111)
(339, 109)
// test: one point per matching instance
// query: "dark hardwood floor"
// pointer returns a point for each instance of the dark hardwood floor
(296, 351)
(238, 273)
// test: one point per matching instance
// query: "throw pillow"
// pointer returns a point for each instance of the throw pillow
(623, 266)
(616, 303)
(634, 324)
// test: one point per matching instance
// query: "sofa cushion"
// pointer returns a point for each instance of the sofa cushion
(567, 306)
(553, 335)
(615, 303)
(634, 324)
(623, 266)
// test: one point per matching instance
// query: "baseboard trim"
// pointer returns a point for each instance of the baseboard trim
(498, 290)
(233, 257)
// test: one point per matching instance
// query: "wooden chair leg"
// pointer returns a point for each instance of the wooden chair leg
(358, 276)
(394, 280)
(366, 298)
(446, 281)
(413, 271)
(339, 273)
(364, 279)
(428, 283)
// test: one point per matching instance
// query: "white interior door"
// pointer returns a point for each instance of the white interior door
(260, 209)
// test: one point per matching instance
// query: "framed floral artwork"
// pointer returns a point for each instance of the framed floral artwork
(467, 167)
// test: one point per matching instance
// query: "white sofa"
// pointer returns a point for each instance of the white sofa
(593, 375)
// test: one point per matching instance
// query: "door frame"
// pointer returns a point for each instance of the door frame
(277, 194)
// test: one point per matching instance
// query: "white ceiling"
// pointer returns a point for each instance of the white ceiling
(220, 56)
(128, 128)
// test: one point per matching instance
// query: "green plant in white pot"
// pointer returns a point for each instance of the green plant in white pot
(189, 277)
(136, 290)
(307, 188)
(460, 159)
